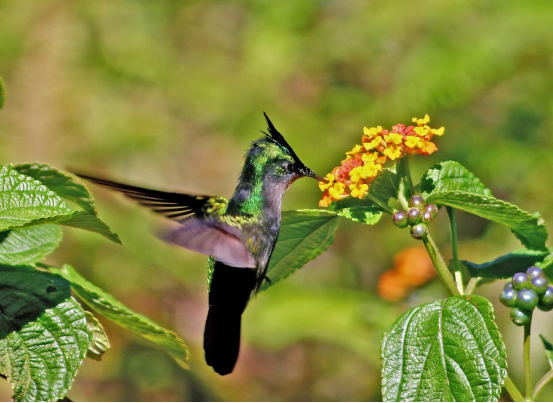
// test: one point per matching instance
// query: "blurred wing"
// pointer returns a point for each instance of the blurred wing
(213, 238)
(172, 205)
(199, 232)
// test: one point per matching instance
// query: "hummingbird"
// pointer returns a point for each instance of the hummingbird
(238, 234)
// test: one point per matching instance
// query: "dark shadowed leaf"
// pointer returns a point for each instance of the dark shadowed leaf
(507, 265)
(28, 245)
(548, 350)
(107, 306)
(304, 235)
(43, 333)
(447, 350)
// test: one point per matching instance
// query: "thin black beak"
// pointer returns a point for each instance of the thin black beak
(310, 174)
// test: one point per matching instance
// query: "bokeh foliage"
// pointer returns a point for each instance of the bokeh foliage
(171, 92)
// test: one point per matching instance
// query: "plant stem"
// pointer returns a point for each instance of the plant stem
(473, 282)
(541, 384)
(527, 377)
(439, 264)
(512, 390)
(453, 226)
(406, 172)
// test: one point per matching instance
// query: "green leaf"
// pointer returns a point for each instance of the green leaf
(304, 235)
(548, 350)
(28, 245)
(507, 265)
(24, 199)
(527, 227)
(547, 265)
(81, 220)
(2, 93)
(385, 187)
(43, 333)
(449, 176)
(100, 343)
(66, 186)
(363, 215)
(107, 306)
(449, 350)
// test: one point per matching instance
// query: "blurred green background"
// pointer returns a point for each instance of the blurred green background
(168, 94)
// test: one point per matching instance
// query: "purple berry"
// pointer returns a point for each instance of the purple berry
(527, 299)
(508, 297)
(520, 281)
(416, 201)
(534, 272)
(414, 216)
(539, 284)
(419, 231)
(432, 209)
(426, 217)
(400, 219)
(508, 285)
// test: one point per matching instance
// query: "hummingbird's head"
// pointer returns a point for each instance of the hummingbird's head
(276, 159)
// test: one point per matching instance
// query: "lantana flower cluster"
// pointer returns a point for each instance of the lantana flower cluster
(378, 146)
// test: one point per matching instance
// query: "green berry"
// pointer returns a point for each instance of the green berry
(400, 219)
(520, 281)
(416, 201)
(419, 231)
(414, 215)
(539, 284)
(547, 296)
(508, 285)
(534, 272)
(527, 299)
(520, 317)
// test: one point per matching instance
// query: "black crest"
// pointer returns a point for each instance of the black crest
(274, 136)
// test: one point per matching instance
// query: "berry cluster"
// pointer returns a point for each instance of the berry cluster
(418, 215)
(524, 293)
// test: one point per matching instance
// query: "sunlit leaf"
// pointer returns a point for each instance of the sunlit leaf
(450, 176)
(527, 227)
(107, 306)
(28, 245)
(66, 186)
(24, 199)
(447, 350)
(304, 235)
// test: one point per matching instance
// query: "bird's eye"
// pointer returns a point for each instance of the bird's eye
(288, 167)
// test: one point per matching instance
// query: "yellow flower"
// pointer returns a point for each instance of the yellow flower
(393, 152)
(373, 143)
(370, 170)
(373, 131)
(359, 190)
(325, 201)
(438, 132)
(395, 138)
(336, 190)
(413, 141)
(356, 150)
(369, 157)
(329, 181)
(422, 130)
(421, 122)
(356, 174)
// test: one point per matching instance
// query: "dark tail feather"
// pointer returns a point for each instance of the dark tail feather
(229, 293)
